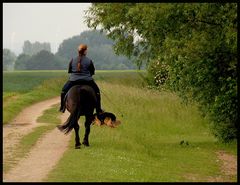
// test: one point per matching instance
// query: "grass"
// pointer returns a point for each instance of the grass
(50, 116)
(122, 77)
(145, 147)
(22, 88)
(25, 81)
(48, 89)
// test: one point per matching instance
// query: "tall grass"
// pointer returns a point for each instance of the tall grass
(146, 146)
(22, 88)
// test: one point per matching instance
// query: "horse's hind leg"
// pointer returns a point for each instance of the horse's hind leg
(77, 139)
(87, 130)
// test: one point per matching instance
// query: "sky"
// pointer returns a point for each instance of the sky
(42, 22)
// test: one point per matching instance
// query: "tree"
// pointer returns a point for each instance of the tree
(8, 59)
(43, 60)
(194, 43)
(21, 62)
(33, 48)
(99, 48)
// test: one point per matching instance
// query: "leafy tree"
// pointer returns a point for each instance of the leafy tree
(21, 62)
(192, 48)
(8, 59)
(43, 60)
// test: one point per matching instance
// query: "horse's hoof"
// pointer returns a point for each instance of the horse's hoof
(85, 144)
(77, 147)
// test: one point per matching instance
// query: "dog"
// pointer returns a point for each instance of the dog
(106, 118)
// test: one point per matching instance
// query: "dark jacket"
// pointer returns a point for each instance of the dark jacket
(86, 71)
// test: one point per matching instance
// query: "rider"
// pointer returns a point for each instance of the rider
(81, 69)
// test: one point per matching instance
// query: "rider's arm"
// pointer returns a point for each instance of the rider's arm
(91, 68)
(70, 66)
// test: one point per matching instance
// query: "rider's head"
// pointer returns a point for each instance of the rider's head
(82, 49)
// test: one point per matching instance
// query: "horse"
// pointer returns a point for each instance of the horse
(81, 100)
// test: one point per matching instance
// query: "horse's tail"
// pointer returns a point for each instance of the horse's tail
(70, 123)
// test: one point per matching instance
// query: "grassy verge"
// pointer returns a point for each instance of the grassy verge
(48, 89)
(146, 146)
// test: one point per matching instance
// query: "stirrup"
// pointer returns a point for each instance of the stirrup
(62, 109)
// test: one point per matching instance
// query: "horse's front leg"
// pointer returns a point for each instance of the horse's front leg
(88, 122)
(77, 139)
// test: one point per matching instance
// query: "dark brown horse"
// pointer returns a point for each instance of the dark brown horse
(81, 100)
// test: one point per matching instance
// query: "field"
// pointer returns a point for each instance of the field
(160, 139)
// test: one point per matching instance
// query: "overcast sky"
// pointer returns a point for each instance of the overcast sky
(43, 22)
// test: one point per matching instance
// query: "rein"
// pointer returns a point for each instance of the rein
(114, 105)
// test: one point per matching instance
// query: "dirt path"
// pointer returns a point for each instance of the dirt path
(47, 152)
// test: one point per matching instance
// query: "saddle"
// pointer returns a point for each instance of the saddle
(66, 95)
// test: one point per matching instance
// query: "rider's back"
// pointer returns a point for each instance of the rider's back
(86, 71)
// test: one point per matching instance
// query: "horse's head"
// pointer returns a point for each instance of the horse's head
(106, 118)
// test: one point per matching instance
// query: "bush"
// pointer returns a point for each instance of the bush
(157, 73)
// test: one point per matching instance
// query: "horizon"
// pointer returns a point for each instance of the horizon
(19, 48)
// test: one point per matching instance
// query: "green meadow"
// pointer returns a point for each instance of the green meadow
(160, 139)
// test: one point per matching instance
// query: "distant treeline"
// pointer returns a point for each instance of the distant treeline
(38, 56)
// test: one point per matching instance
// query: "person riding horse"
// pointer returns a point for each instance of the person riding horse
(81, 69)
(81, 101)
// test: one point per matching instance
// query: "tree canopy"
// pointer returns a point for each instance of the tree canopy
(190, 48)
(33, 48)
(43, 60)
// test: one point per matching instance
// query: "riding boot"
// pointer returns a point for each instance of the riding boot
(98, 106)
(62, 104)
